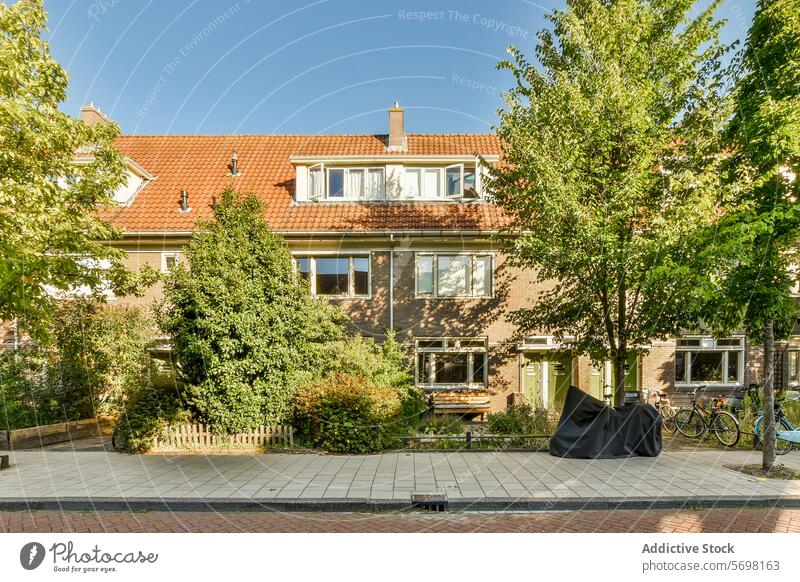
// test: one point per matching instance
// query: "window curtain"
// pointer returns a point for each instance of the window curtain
(355, 184)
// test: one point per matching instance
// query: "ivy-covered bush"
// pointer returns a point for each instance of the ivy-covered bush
(149, 411)
(345, 413)
(245, 329)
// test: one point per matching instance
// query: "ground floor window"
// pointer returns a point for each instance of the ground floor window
(336, 275)
(451, 362)
(707, 360)
(793, 373)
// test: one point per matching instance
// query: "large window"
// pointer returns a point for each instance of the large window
(453, 275)
(337, 183)
(451, 362)
(336, 275)
(443, 182)
(706, 360)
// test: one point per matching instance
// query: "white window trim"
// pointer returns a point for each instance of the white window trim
(325, 196)
(712, 346)
(350, 276)
(451, 345)
(473, 262)
(177, 255)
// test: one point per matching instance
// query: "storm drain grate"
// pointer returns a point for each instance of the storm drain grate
(429, 501)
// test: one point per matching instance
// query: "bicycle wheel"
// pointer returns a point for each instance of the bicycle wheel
(725, 428)
(689, 423)
(116, 440)
(668, 418)
(781, 446)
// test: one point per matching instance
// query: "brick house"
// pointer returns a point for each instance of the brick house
(398, 230)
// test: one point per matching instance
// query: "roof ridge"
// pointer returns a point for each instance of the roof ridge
(332, 135)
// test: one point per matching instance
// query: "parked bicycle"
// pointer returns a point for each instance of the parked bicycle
(661, 402)
(697, 421)
(787, 434)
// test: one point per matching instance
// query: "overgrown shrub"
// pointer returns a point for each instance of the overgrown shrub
(98, 356)
(149, 411)
(522, 419)
(244, 327)
(101, 355)
(346, 413)
(383, 364)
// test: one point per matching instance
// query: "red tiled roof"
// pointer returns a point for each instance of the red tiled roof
(199, 164)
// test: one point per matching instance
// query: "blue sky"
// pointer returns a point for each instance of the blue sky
(298, 66)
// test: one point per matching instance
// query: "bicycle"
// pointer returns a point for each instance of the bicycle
(782, 445)
(696, 421)
(660, 402)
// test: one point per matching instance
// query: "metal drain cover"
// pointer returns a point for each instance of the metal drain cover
(429, 501)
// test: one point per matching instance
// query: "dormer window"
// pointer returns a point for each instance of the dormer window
(338, 183)
(438, 182)
(393, 178)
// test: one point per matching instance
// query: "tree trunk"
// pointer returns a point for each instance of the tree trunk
(619, 376)
(768, 433)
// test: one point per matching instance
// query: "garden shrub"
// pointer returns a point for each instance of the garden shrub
(383, 364)
(346, 413)
(149, 411)
(441, 425)
(98, 356)
(102, 354)
(522, 419)
(244, 326)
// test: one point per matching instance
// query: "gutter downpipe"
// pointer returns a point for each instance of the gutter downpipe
(391, 282)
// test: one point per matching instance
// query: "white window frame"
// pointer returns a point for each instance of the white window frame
(323, 194)
(709, 344)
(460, 193)
(452, 345)
(318, 193)
(435, 284)
(177, 255)
(351, 281)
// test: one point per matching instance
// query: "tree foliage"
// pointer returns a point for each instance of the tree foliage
(245, 329)
(763, 170)
(611, 143)
(48, 200)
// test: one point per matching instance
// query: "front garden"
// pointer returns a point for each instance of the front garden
(250, 350)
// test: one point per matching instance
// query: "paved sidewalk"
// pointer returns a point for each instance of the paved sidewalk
(478, 478)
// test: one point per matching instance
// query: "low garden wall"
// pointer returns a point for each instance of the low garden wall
(39, 436)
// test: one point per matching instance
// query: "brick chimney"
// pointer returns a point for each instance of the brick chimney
(92, 115)
(397, 133)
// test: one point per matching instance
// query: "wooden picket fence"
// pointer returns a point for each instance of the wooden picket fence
(194, 436)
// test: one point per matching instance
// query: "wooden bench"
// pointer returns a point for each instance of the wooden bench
(461, 403)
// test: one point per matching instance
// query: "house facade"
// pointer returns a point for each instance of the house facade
(399, 230)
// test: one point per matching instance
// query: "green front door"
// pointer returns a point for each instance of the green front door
(631, 373)
(532, 379)
(559, 379)
(597, 380)
(558, 376)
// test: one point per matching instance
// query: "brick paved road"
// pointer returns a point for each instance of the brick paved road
(717, 520)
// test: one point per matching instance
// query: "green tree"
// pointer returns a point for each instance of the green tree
(50, 234)
(763, 168)
(610, 146)
(245, 329)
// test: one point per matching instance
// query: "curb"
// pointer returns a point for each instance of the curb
(494, 504)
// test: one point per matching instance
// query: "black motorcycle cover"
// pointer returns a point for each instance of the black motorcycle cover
(590, 429)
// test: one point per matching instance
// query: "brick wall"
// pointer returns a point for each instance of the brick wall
(420, 317)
